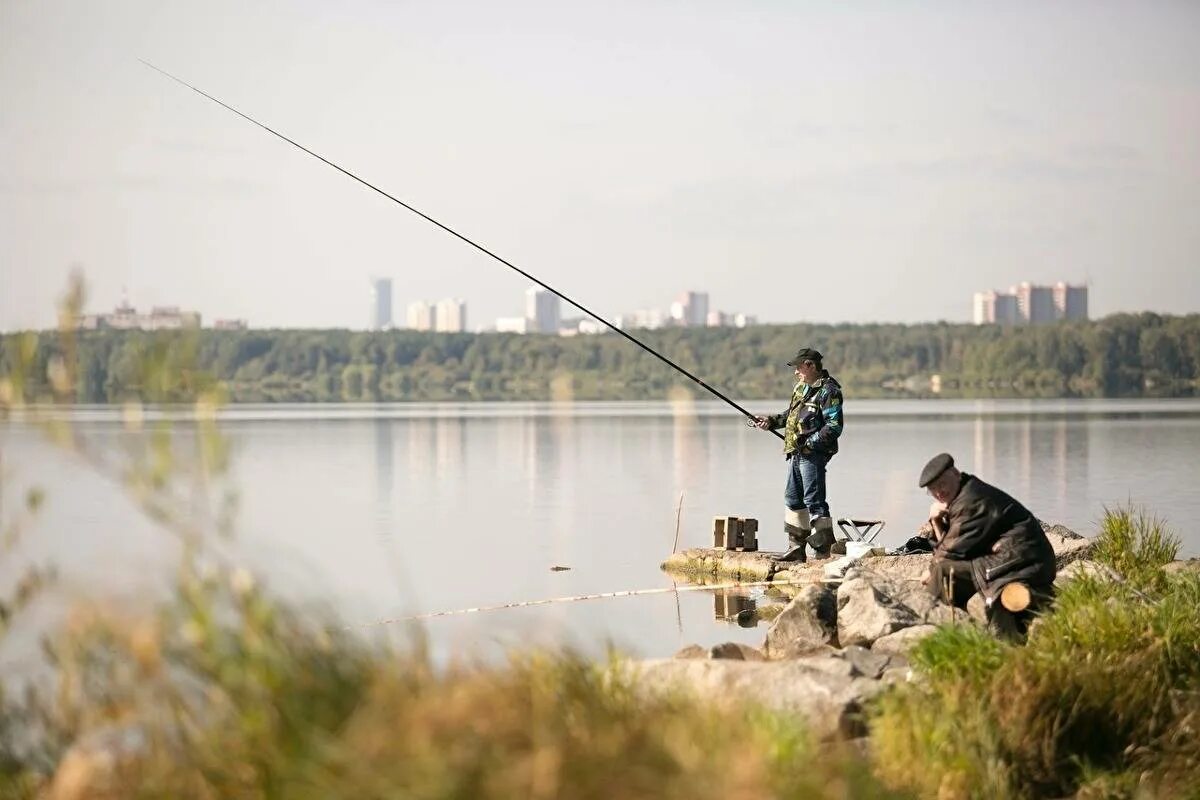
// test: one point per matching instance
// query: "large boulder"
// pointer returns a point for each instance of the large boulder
(808, 622)
(864, 662)
(1083, 566)
(1068, 545)
(912, 567)
(870, 607)
(731, 650)
(829, 701)
(736, 651)
(900, 642)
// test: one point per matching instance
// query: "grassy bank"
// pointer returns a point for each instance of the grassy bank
(1103, 701)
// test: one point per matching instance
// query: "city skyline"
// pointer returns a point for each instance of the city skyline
(763, 148)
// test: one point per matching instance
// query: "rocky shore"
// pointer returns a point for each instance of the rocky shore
(837, 642)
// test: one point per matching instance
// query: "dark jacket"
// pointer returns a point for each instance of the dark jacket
(998, 535)
(813, 420)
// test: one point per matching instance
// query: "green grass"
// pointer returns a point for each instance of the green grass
(1135, 544)
(1102, 701)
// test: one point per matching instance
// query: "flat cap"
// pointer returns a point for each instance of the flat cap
(805, 354)
(936, 466)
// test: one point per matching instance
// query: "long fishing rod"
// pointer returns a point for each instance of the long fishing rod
(471, 242)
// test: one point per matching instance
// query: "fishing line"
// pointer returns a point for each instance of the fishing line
(577, 598)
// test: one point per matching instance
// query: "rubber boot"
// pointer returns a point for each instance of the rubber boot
(822, 537)
(797, 527)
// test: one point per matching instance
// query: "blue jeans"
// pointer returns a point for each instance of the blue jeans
(806, 484)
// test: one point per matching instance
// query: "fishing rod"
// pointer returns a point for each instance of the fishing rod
(716, 393)
(458, 612)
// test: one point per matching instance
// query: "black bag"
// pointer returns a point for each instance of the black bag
(917, 544)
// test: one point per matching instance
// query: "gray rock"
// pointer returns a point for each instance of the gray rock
(914, 567)
(895, 675)
(809, 621)
(870, 607)
(736, 651)
(692, 651)
(829, 662)
(1083, 566)
(831, 704)
(867, 663)
(902, 640)
(977, 608)
(867, 609)
(1068, 545)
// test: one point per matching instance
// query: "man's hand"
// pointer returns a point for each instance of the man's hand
(762, 423)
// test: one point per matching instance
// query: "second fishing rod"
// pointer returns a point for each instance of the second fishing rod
(694, 378)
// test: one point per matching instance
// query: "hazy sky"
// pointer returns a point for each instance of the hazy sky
(822, 161)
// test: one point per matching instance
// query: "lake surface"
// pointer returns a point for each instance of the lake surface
(385, 511)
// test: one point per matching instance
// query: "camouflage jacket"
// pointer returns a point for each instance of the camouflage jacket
(813, 420)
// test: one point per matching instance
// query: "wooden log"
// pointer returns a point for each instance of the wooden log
(1015, 597)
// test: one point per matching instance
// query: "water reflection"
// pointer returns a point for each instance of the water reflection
(1044, 463)
(729, 603)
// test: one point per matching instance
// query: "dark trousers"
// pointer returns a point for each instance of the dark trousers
(806, 484)
(952, 582)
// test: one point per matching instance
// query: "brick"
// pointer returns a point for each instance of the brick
(719, 533)
(733, 533)
(749, 534)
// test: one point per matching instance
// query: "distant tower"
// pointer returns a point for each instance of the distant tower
(1035, 302)
(450, 316)
(381, 304)
(542, 310)
(1070, 302)
(422, 316)
(694, 309)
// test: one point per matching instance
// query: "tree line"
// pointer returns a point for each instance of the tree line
(1123, 355)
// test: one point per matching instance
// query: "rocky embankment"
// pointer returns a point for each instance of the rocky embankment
(837, 642)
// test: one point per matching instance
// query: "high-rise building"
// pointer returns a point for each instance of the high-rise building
(996, 308)
(381, 304)
(648, 318)
(512, 325)
(1036, 303)
(692, 309)
(542, 310)
(1070, 302)
(450, 316)
(421, 316)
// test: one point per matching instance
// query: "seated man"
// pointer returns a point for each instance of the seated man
(985, 540)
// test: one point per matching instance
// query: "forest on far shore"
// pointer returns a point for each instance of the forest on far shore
(1124, 355)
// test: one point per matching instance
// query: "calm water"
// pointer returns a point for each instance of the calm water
(387, 511)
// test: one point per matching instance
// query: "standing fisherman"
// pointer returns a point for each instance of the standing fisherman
(812, 425)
